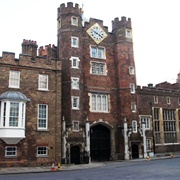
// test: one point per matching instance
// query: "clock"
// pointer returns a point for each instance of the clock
(97, 33)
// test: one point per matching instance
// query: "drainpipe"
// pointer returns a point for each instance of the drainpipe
(88, 139)
(64, 141)
(144, 139)
(126, 151)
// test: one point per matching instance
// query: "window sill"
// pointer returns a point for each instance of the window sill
(43, 130)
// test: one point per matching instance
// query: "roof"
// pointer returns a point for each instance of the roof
(12, 95)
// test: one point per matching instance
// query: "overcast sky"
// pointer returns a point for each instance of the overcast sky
(155, 23)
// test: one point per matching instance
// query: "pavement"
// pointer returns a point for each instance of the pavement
(67, 167)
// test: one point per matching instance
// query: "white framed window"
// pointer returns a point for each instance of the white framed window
(133, 107)
(74, 42)
(179, 101)
(14, 79)
(42, 117)
(74, 21)
(131, 70)
(42, 151)
(75, 126)
(75, 102)
(12, 114)
(74, 83)
(97, 52)
(99, 102)
(147, 122)
(10, 151)
(134, 126)
(74, 62)
(128, 33)
(168, 100)
(132, 88)
(148, 144)
(98, 68)
(59, 24)
(43, 82)
(155, 99)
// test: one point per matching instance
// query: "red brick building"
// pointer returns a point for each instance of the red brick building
(101, 114)
(98, 87)
(30, 107)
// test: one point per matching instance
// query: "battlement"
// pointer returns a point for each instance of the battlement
(124, 22)
(70, 8)
(29, 42)
(48, 50)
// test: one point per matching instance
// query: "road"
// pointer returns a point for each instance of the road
(165, 169)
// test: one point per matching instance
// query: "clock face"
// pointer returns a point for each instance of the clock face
(97, 33)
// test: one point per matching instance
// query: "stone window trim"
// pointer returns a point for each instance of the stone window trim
(75, 126)
(74, 21)
(147, 121)
(134, 126)
(74, 62)
(148, 144)
(128, 33)
(168, 100)
(98, 68)
(74, 42)
(132, 88)
(98, 52)
(75, 102)
(75, 83)
(131, 70)
(156, 99)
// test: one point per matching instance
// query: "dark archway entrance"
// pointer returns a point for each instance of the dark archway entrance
(135, 151)
(100, 143)
(75, 154)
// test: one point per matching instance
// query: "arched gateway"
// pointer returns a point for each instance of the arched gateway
(100, 143)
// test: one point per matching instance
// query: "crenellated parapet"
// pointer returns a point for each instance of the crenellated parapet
(48, 50)
(124, 22)
(70, 8)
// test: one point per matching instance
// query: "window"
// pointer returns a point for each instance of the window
(156, 125)
(11, 151)
(74, 42)
(148, 144)
(179, 101)
(133, 107)
(75, 126)
(59, 23)
(99, 102)
(42, 151)
(74, 21)
(132, 88)
(43, 82)
(14, 79)
(74, 83)
(155, 99)
(97, 52)
(13, 114)
(146, 120)
(74, 62)
(75, 102)
(98, 68)
(134, 126)
(168, 100)
(42, 116)
(131, 70)
(128, 33)
(169, 123)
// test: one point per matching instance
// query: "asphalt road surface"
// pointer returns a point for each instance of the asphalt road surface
(165, 169)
